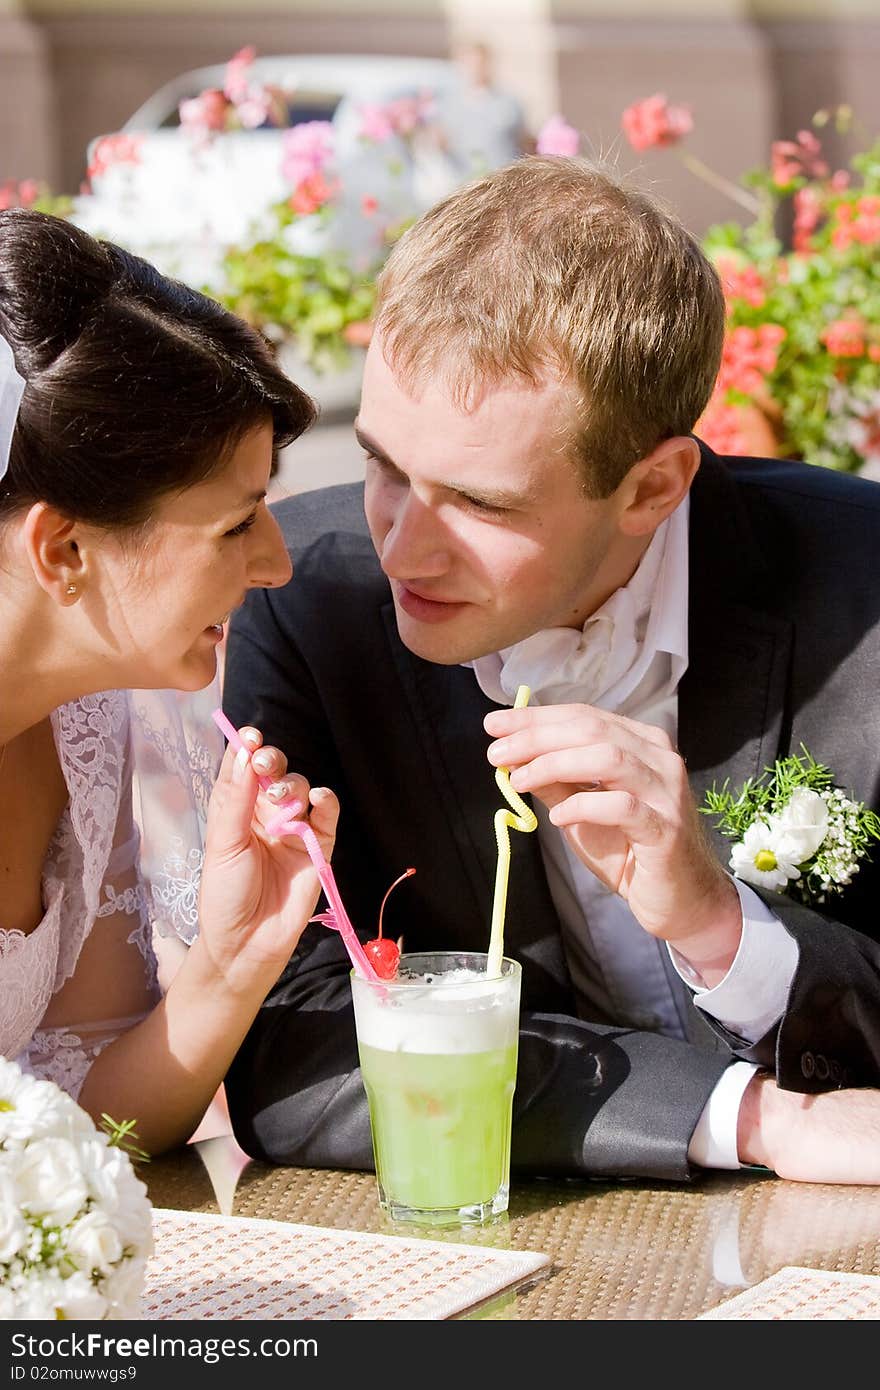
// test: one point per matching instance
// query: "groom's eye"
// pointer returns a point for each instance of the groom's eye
(242, 526)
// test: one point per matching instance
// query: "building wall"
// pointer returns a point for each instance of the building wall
(752, 72)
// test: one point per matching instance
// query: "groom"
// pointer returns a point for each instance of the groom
(537, 511)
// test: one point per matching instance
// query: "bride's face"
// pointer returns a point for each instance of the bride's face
(159, 604)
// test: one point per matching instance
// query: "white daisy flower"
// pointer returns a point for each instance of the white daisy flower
(763, 856)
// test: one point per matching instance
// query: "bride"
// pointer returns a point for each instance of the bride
(139, 426)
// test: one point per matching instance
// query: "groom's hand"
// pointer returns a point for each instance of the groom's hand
(832, 1137)
(619, 792)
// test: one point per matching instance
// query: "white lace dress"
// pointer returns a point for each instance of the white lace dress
(93, 886)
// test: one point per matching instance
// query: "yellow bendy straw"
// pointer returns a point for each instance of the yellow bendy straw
(524, 819)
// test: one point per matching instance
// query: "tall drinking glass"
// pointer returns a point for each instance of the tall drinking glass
(438, 1050)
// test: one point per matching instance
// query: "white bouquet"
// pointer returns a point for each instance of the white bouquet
(75, 1222)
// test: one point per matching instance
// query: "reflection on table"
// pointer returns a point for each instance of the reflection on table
(626, 1250)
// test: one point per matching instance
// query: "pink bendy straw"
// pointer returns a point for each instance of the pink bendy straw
(285, 823)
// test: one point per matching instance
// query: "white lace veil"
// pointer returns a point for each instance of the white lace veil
(176, 751)
(11, 392)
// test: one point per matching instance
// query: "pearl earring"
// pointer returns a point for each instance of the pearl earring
(71, 588)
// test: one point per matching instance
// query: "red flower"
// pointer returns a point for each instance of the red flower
(113, 149)
(807, 215)
(742, 282)
(653, 122)
(369, 204)
(845, 337)
(312, 193)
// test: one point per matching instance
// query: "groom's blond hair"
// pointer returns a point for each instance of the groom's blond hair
(553, 267)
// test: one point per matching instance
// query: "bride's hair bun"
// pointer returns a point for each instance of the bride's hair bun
(136, 385)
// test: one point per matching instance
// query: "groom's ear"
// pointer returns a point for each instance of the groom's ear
(50, 542)
(654, 487)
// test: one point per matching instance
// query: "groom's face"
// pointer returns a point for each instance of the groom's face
(478, 516)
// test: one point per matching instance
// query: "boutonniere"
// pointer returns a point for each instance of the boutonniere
(795, 831)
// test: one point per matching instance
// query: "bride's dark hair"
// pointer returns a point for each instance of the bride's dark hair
(136, 385)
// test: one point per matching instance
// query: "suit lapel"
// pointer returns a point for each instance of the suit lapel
(733, 696)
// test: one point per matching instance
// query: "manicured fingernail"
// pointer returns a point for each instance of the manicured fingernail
(263, 762)
(278, 791)
(320, 793)
(250, 736)
(518, 777)
(239, 767)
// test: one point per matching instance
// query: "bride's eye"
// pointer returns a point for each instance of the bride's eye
(242, 526)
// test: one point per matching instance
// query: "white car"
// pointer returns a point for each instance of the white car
(181, 202)
(156, 191)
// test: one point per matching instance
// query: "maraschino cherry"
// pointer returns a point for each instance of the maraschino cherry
(383, 953)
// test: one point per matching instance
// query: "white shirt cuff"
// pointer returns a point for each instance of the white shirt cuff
(753, 994)
(713, 1142)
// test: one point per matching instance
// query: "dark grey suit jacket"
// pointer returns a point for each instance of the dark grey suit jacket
(784, 649)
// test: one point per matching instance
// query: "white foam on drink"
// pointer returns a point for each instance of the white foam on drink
(425, 1017)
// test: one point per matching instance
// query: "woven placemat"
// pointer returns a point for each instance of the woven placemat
(807, 1294)
(207, 1266)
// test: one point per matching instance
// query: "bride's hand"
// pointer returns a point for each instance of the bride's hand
(257, 892)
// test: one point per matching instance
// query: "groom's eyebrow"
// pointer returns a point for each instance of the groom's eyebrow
(499, 498)
(372, 446)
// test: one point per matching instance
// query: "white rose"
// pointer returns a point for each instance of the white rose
(33, 1109)
(13, 1227)
(49, 1179)
(113, 1186)
(803, 822)
(40, 1296)
(124, 1289)
(79, 1300)
(93, 1243)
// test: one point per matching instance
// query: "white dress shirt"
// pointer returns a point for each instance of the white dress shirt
(629, 658)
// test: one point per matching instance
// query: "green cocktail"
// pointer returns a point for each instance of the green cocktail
(438, 1050)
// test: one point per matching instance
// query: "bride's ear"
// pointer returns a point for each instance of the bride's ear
(656, 485)
(52, 549)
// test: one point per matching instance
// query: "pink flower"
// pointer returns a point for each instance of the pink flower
(399, 117)
(369, 205)
(375, 123)
(653, 122)
(557, 137)
(21, 195)
(206, 113)
(308, 148)
(235, 84)
(792, 159)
